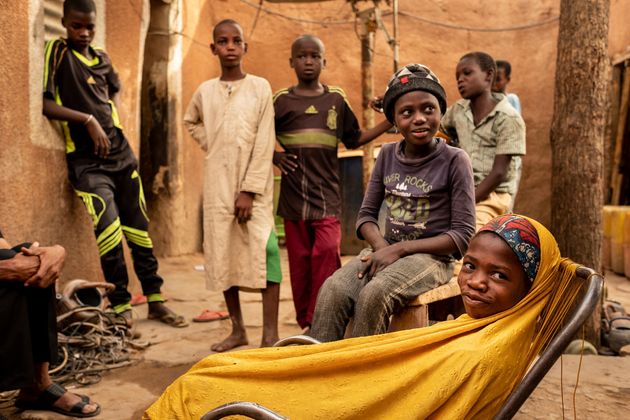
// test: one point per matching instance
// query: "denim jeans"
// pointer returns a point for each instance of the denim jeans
(372, 301)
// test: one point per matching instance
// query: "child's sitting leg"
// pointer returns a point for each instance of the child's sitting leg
(373, 300)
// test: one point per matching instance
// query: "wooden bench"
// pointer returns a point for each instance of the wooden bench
(416, 313)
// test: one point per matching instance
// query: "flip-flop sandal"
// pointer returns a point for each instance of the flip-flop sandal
(50, 396)
(138, 299)
(208, 316)
(173, 320)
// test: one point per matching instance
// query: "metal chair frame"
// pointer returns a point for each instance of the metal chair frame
(582, 309)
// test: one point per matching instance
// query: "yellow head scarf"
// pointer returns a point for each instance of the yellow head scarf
(463, 368)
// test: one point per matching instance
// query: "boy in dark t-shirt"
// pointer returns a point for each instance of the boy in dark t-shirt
(80, 85)
(311, 119)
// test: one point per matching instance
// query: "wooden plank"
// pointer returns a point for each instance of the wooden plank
(620, 58)
(445, 291)
(410, 317)
(621, 128)
(611, 130)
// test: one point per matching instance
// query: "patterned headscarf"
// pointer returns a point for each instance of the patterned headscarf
(522, 237)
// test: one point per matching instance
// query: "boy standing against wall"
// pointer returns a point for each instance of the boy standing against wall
(311, 119)
(80, 88)
(232, 119)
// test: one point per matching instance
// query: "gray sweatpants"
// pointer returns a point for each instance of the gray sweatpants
(372, 301)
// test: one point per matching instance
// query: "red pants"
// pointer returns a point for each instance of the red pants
(313, 248)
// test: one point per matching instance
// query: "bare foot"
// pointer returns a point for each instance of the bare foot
(232, 340)
(269, 341)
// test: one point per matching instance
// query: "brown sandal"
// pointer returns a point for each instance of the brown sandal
(171, 319)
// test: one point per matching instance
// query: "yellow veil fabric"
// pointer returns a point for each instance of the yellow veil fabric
(463, 368)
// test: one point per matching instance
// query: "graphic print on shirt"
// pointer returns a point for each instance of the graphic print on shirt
(407, 200)
(311, 110)
(331, 121)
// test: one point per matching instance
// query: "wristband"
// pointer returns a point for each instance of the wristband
(88, 119)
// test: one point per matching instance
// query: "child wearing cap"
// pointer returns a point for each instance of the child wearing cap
(428, 190)
(311, 119)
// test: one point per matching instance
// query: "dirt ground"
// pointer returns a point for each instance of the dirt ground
(603, 391)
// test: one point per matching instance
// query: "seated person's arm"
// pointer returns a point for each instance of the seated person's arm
(19, 268)
(51, 261)
(55, 111)
(510, 141)
(497, 175)
(35, 266)
(15, 266)
(372, 234)
(437, 245)
(385, 254)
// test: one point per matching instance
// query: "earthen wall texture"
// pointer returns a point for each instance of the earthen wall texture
(124, 22)
(36, 200)
(619, 31)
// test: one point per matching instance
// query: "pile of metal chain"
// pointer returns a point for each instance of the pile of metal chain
(92, 341)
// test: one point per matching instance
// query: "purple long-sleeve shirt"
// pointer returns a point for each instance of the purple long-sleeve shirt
(424, 197)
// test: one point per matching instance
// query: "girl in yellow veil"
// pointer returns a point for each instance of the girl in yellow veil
(516, 289)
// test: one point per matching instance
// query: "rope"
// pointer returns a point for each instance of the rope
(260, 8)
(89, 347)
(296, 19)
(577, 377)
(476, 29)
(251, 33)
(561, 386)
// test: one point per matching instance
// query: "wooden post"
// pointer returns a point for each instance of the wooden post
(395, 40)
(610, 135)
(367, 28)
(577, 135)
(617, 177)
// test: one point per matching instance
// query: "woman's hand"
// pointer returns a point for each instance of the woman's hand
(378, 260)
